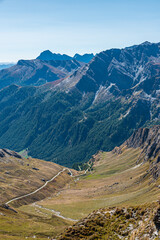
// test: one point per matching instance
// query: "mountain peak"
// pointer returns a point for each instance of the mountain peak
(87, 57)
(146, 43)
(47, 55)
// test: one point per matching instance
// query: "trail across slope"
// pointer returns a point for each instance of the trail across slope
(40, 188)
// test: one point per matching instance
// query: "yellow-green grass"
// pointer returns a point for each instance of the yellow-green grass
(83, 207)
(116, 180)
(116, 223)
(22, 176)
(24, 153)
(21, 225)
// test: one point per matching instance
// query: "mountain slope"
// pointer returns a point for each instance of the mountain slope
(123, 68)
(120, 184)
(96, 107)
(21, 176)
(37, 72)
(148, 140)
(24, 181)
(64, 127)
(115, 224)
(122, 177)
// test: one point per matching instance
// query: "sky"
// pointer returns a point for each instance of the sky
(28, 27)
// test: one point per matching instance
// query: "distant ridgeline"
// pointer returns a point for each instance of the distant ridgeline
(48, 55)
(65, 110)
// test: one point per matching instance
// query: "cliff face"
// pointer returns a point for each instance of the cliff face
(6, 153)
(149, 140)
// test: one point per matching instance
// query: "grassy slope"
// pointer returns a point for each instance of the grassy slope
(115, 181)
(17, 177)
(22, 225)
(115, 224)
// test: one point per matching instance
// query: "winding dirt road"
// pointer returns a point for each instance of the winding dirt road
(40, 188)
(58, 214)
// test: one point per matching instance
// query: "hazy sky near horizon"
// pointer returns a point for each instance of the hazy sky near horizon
(27, 27)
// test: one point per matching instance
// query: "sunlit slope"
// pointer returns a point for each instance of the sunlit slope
(116, 179)
(115, 223)
(23, 176)
(20, 176)
(21, 226)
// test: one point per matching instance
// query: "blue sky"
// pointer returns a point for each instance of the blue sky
(27, 27)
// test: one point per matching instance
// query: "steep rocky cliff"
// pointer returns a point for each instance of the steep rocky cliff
(6, 152)
(149, 140)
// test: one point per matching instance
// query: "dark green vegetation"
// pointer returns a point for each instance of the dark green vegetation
(61, 127)
(95, 108)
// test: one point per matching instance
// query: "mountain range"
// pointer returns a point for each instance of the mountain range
(6, 65)
(85, 108)
(48, 67)
(37, 72)
(48, 55)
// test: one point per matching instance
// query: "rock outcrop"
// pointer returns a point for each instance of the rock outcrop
(149, 140)
(157, 219)
(116, 223)
(6, 152)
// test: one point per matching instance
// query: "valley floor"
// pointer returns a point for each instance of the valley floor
(116, 180)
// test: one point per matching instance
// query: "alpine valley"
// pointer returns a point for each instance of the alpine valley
(95, 122)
